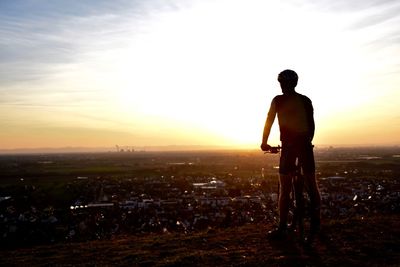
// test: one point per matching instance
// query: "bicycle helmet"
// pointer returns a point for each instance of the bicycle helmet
(288, 76)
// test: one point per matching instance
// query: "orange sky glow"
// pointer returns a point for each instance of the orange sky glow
(194, 72)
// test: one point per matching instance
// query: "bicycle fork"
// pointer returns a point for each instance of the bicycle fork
(298, 203)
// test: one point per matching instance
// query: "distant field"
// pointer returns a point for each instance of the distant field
(241, 163)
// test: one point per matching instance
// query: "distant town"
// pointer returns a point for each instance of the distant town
(176, 192)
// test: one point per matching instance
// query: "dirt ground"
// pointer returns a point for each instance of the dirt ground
(372, 241)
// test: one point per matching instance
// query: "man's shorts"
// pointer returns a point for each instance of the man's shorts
(303, 152)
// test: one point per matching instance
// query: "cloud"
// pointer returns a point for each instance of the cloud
(37, 36)
(377, 15)
(350, 6)
(57, 53)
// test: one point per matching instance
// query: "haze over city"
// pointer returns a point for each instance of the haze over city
(159, 73)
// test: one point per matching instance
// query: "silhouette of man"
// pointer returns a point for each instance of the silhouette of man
(296, 125)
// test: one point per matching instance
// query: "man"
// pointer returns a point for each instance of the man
(296, 125)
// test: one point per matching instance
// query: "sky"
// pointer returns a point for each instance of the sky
(96, 73)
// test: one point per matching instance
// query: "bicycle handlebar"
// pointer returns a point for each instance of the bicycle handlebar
(273, 150)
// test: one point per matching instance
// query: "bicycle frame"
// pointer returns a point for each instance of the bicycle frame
(297, 198)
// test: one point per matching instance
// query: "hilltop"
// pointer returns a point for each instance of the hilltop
(191, 209)
(363, 241)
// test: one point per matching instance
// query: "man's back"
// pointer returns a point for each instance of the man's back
(295, 116)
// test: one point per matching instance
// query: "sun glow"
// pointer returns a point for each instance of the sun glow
(219, 73)
(204, 73)
(189, 71)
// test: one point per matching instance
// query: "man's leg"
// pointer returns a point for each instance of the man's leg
(286, 167)
(315, 202)
(308, 165)
(298, 215)
(285, 182)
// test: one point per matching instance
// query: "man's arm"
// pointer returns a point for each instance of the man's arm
(268, 125)
(310, 118)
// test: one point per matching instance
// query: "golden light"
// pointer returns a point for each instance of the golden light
(205, 73)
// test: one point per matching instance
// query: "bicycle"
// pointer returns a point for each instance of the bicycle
(296, 206)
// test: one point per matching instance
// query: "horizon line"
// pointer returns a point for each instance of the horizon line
(167, 148)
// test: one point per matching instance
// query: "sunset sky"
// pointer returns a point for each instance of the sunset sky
(152, 73)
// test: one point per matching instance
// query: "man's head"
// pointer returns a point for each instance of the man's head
(288, 80)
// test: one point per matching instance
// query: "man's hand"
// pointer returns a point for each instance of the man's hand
(265, 147)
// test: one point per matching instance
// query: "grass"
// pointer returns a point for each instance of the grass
(357, 242)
